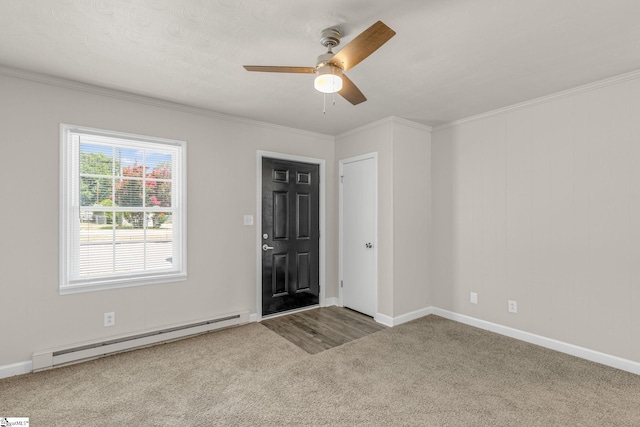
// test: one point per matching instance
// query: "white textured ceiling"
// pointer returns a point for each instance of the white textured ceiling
(450, 59)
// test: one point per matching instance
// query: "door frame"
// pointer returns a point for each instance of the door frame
(341, 164)
(321, 262)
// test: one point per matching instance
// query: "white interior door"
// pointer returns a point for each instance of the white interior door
(358, 208)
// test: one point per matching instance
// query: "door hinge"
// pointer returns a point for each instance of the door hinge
(341, 284)
(341, 179)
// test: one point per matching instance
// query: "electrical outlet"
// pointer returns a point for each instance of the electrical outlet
(109, 319)
(513, 306)
(473, 298)
(248, 220)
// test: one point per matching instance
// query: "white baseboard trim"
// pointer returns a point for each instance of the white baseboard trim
(253, 317)
(413, 315)
(14, 369)
(383, 319)
(21, 368)
(328, 302)
(403, 318)
(563, 347)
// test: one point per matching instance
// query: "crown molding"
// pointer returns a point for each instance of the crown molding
(547, 98)
(411, 124)
(368, 126)
(147, 100)
(384, 122)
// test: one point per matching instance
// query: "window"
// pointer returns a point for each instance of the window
(123, 210)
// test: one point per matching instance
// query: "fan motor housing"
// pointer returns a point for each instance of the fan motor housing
(330, 37)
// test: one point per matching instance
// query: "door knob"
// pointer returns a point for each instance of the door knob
(266, 248)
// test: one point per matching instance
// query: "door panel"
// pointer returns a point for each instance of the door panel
(303, 216)
(291, 222)
(358, 207)
(280, 281)
(304, 271)
(280, 215)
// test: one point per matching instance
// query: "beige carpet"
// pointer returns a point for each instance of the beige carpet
(429, 372)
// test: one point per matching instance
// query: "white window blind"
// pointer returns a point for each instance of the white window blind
(123, 209)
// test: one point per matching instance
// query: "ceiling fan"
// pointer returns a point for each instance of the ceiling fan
(330, 67)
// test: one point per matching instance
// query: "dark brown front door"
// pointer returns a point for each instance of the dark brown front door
(290, 240)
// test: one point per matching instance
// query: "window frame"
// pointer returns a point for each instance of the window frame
(69, 209)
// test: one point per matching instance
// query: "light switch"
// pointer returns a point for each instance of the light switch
(248, 220)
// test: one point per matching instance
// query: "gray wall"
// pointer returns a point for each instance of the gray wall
(404, 183)
(369, 139)
(538, 203)
(541, 204)
(411, 217)
(221, 189)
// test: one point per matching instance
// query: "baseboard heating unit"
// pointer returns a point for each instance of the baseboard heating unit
(62, 356)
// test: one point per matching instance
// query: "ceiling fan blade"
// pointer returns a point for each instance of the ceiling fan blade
(271, 69)
(362, 46)
(350, 92)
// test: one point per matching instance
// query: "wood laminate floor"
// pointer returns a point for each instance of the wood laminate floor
(323, 328)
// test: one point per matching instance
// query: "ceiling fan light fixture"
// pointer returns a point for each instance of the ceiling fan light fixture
(330, 67)
(328, 79)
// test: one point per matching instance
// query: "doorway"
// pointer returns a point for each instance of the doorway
(289, 241)
(358, 233)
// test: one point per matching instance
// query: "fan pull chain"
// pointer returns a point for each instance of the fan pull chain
(324, 102)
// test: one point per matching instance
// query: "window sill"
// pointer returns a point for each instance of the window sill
(121, 283)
